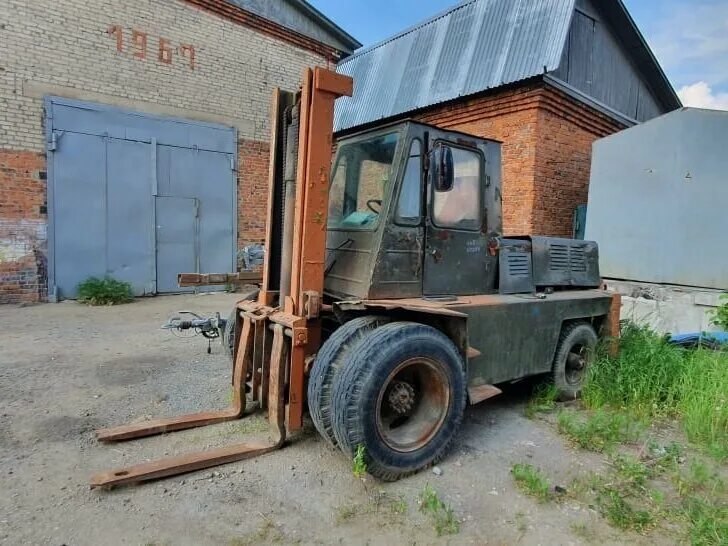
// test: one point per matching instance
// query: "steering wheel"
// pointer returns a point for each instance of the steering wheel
(377, 202)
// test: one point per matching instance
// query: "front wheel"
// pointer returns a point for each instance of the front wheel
(402, 397)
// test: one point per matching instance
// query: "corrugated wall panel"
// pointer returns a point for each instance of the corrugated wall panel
(476, 46)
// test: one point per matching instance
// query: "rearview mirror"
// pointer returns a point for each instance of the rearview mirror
(444, 176)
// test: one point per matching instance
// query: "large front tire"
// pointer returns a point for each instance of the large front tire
(333, 355)
(402, 397)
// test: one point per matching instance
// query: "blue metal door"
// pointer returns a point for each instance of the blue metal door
(176, 241)
(113, 175)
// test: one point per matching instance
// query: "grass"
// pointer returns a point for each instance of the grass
(651, 379)
(599, 431)
(268, 532)
(543, 400)
(719, 315)
(532, 482)
(708, 521)
(359, 467)
(106, 291)
(443, 517)
(381, 504)
(635, 494)
(584, 531)
(620, 513)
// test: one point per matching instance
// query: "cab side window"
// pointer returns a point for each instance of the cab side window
(408, 208)
(460, 206)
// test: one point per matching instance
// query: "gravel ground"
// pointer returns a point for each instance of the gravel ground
(66, 369)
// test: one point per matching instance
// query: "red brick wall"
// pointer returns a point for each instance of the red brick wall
(547, 139)
(253, 160)
(22, 227)
(566, 131)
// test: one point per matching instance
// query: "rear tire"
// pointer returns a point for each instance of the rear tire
(228, 334)
(402, 397)
(335, 353)
(574, 354)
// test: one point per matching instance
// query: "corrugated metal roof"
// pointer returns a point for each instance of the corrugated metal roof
(477, 45)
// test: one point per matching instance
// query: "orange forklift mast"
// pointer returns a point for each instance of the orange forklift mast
(276, 334)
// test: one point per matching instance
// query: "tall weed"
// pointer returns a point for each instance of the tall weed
(652, 379)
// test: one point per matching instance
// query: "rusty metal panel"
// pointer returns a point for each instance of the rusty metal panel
(533, 325)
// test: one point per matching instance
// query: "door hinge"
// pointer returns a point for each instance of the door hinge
(233, 165)
(53, 144)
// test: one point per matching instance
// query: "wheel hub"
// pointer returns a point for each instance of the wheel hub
(401, 397)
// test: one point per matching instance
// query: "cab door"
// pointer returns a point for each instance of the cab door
(456, 259)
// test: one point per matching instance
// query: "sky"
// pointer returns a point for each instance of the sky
(688, 37)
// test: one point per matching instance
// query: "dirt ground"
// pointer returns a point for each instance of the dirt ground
(66, 369)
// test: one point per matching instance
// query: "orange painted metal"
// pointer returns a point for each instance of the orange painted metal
(272, 343)
(482, 393)
(303, 134)
(611, 325)
(313, 180)
(172, 466)
(321, 87)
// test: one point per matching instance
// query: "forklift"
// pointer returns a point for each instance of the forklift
(390, 297)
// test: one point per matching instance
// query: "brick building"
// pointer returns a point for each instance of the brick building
(115, 115)
(545, 77)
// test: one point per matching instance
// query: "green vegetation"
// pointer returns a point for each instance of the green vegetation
(620, 513)
(650, 485)
(268, 533)
(584, 531)
(391, 509)
(360, 465)
(708, 521)
(106, 291)
(599, 431)
(635, 495)
(719, 315)
(442, 515)
(532, 482)
(651, 379)
(543, 400)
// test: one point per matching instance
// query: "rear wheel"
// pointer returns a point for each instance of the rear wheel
(335, 353)
(574, 354)
(401, 397)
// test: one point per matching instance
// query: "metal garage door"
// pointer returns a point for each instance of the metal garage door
(137, 197)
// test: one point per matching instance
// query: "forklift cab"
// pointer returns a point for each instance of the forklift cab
(411, 211)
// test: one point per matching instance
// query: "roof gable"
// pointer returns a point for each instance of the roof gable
(480, 45)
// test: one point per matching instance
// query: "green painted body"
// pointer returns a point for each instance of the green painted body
(455, 278)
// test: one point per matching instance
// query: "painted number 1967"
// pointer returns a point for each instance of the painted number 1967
(139, 45)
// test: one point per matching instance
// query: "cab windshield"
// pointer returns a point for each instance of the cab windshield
(362, 172)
